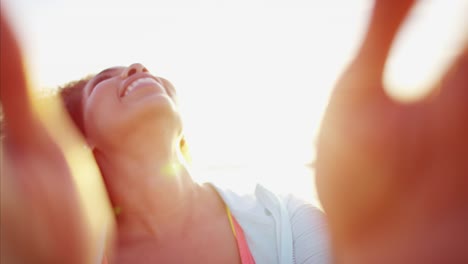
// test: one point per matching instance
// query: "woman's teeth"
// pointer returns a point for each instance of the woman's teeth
(134, 84)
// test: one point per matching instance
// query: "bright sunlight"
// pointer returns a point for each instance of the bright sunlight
(253, 76)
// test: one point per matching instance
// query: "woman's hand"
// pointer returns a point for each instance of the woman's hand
(393, 177)
(44, 217)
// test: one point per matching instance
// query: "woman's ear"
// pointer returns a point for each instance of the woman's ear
(184, 150)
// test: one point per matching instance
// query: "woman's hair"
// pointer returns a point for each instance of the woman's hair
(71, 94)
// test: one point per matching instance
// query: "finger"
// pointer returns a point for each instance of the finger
(13, 88)
(364, 76)
(49, 174)
(387, 17)
(27, 150)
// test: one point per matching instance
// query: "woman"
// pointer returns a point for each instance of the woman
(162, 214)
(391, 176)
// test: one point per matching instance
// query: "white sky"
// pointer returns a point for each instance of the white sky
(253, 75)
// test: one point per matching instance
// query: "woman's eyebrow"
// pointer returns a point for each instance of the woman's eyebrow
(107, 70)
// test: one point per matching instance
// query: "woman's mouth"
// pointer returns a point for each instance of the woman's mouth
(140, 83)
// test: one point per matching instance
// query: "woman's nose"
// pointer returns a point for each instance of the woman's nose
(132, 69)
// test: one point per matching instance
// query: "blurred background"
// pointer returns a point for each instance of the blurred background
(253, 76)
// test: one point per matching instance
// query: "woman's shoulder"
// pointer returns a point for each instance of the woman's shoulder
(310, 231)
(303, 226)
(259, 194)
(255, 197)
(298, 206)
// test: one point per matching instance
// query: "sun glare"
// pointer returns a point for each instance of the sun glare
(253, 78)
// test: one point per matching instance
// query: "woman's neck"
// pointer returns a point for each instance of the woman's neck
(153, 194)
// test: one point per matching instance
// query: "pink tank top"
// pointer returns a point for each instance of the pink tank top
(244, 251)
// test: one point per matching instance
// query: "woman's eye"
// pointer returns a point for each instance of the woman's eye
(98, 80)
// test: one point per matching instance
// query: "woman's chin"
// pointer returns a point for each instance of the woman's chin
(153, 111)
(159, 103)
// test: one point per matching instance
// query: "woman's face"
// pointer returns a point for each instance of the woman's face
(121, 101)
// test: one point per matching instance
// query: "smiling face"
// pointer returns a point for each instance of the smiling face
(123, 102)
